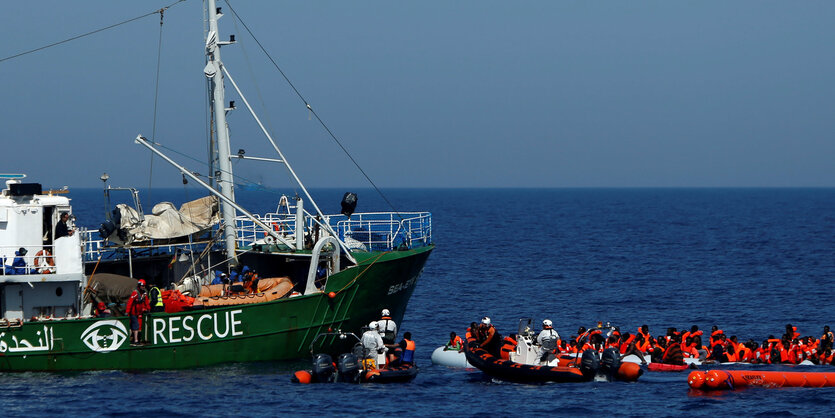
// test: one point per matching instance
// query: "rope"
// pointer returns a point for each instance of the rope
(313, 112)
(156, 103)
(90, 33)
(362, 272)
(87, 288)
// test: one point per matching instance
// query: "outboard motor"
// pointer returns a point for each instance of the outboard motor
(349, 368)
(322, 368)
(589, 363)
(609, 363)
(349, 204)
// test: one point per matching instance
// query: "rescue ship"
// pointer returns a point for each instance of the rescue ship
(318, 271)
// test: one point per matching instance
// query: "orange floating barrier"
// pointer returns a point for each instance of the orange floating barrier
(696, 380)
(734, 379)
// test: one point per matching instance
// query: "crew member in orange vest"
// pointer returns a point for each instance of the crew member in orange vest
(492, 340)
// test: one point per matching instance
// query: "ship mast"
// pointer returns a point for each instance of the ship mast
(225, 180)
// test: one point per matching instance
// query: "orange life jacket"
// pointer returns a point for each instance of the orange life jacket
(409, 352)
(456, 342)
(508, 347)
(624, 345)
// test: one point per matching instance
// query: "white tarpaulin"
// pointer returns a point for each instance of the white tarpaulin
(166, 221)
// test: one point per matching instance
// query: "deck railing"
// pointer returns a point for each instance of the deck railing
(376, 231)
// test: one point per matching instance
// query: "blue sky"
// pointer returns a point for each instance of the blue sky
(436, 93)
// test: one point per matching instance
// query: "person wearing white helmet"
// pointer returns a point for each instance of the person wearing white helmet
(387, 327)
(547, 340)
(372, 342)
(490, 339)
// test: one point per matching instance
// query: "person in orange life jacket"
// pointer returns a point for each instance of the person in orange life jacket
(625, 340)
(656, 349)
(492, 340)
(407, 345)
(715, 332)
(630, 347)
(791, 332)
(688, 349)
(137, 305)
(596, 340)
(387, 327)
(670, 332)
(643, 336)
(474, 332)
(780, 352)
(733, 343)
(717, 352)
(613, 342)
(455, 343)
(826, 357)
(580, 334)
(762, 353)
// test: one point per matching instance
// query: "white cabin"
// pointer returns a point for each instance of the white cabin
(48, 281)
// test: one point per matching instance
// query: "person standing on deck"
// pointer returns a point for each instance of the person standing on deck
(137, 305)
(61, 229)
(547, 340)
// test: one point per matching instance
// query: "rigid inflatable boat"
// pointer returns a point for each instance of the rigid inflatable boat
(349, 368)
(522, 363)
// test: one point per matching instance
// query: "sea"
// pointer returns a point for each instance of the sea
(749, 261)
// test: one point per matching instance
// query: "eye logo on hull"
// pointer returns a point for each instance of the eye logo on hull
(105, 336)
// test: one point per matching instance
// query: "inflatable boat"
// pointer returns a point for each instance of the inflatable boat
(450, 358)
(398, 374)
(349, 368)
(520, 362)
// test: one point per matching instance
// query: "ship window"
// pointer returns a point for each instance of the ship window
(59, 291)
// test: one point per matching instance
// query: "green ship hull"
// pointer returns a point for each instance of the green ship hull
(277, 330)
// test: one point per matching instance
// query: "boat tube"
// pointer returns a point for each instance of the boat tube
(450, 358)
(397, 374)
(662, 367)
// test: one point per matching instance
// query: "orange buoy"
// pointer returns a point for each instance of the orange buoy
(629, 372)
(332, 295)
(302, 376)
(733, 379)
(696, 379)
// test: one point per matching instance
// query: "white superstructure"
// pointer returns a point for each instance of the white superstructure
(48, 279)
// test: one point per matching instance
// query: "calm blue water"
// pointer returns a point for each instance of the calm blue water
(748, 260)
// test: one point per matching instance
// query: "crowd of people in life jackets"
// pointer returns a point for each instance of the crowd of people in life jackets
(673, 347)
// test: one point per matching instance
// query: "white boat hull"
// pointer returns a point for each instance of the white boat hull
(450, 358)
